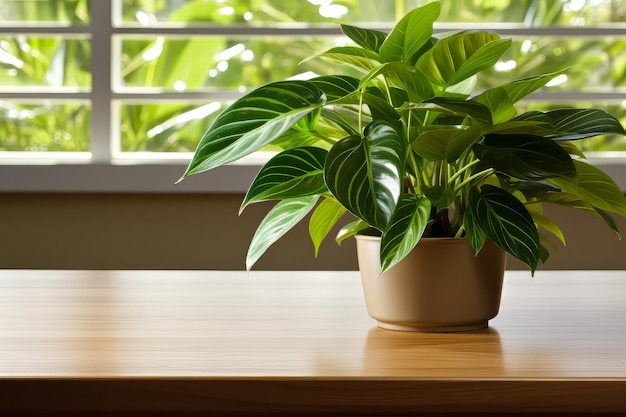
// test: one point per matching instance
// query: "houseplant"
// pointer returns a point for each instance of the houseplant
(411, 151)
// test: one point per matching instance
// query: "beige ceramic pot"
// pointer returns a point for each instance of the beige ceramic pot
(441, 286)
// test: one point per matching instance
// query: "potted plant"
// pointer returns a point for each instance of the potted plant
(420, 161)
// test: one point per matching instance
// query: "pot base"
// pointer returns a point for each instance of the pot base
(440, 286)
(433, 329)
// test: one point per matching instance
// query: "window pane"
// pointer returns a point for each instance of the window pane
(56, 62)
(44, 12)
(44, 127)
(164, 127)
(535, 13)
(212, 63)
(600, 143)
(296, 12)
(592, 64)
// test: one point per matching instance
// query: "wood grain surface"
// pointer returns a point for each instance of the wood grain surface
(287, 343)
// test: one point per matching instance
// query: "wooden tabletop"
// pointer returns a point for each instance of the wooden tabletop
(225, 343)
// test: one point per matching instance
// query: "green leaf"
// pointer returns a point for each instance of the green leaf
(447, 143)
(254, 121)
(499, 104)
(338, 119)
(500, 99)
(505, 220)
(526, 127)
(572, 149)
(609, 220)
(389, 67)
(575, 202)
(351, 229)
(366, 38)
(417, 87)
(476, 111)
(365, 174)
(544, 254)
(527, 157)
(473, 232)
(405, 229)
(457, 58)
(583, 123)
(439, 196)
(292, 173)
(359, 58)
(549, 225)
(335, 87)
(327, 213)
(282, 218)
(379, 107)
(410, 34)
(462, 141)
(461, 90)
(595, 187)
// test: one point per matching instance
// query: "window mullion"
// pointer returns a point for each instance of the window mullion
(101, 68)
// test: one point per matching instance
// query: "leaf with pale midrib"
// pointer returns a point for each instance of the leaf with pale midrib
(405, 229)
(526, 157)
(365, 174)
(282, 218)
(254, 121)
(366, 38)
(505, 220)
(292, 173)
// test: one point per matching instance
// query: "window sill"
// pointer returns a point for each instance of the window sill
(143, 178)
(129, 176)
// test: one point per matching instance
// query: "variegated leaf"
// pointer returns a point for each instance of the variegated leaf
(292, 173)
(476, 111)
(473, 232)
(366, 38)
(505, 220)
(282, 218)
(583, 123)
(336, 87)
(365, 173)
(359, 58)
(405, 229)
(526, 157)
(254, 121)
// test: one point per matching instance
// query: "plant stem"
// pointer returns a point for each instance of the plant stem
(478, 176)
(361, 112)
(462, 170)
(416, 168)
(443, 174)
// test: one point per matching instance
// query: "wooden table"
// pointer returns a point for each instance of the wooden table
(288, 343)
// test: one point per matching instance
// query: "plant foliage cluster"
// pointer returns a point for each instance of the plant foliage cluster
(411, 151)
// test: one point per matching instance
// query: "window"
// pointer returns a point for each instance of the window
(114, 95)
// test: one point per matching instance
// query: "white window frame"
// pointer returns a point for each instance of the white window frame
(104, 170)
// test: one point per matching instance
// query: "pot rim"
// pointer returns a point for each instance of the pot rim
(440, 239)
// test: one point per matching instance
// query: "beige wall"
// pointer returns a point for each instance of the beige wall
(195, 231)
